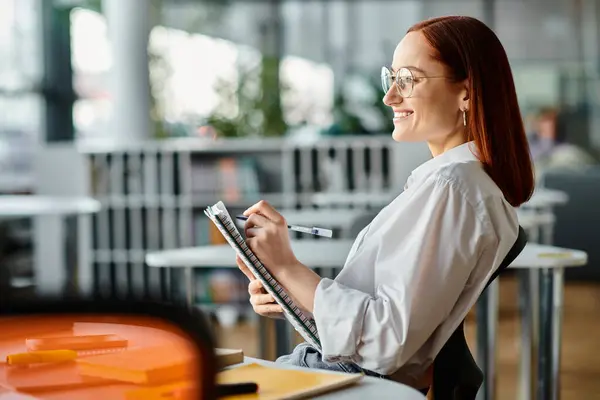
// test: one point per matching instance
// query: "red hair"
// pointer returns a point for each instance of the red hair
(471, 51)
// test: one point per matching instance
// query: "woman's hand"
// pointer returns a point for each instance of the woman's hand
(268, 237)
(263, 303)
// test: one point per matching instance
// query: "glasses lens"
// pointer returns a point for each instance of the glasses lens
(405, 82)
(386, 79)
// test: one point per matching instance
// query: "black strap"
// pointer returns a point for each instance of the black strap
(513, 253)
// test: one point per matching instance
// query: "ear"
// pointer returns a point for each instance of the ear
(464, 97)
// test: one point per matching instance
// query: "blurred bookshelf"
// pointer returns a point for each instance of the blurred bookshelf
(153, 195)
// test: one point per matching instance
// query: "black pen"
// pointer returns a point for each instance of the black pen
(313, 231)
(231, 389)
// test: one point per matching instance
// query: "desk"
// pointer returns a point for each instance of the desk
(318, 253)
(531, 219)
(543, 198)
(34, 206)
(543, 201)
(56, 260)
(368, 388)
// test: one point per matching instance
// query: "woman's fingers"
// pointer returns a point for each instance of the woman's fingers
(264, 208)
(268, 310)
(256, 221)
(245, 269)
(263, 303)
(252, 232)
(256, 287)
(261, 299)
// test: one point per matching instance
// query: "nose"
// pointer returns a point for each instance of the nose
(392, 96)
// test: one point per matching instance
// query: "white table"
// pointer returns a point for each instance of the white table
(320, 253)
(543, 197)
(51, 213)
(367, 388)
(33, 206)
(531, 219)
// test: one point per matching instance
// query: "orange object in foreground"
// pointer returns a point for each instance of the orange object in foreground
(165, 344)
(76, 342)
(178, 390)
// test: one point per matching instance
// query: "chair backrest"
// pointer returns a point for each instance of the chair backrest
(456, 375)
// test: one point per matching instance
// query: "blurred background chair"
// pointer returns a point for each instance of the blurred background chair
(577, 221)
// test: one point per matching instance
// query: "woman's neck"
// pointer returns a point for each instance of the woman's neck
(449, 142)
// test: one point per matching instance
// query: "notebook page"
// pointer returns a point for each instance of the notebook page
(303, 324)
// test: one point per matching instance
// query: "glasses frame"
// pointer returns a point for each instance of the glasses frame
(407, 74)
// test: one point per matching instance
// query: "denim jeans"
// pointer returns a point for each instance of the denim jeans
(304, 355)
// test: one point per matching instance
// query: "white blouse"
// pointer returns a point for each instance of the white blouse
(415, 271)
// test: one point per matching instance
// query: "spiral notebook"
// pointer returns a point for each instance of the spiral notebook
(305, 325)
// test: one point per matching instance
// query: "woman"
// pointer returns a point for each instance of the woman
(413, 274)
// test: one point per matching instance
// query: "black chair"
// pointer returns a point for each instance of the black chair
(456, 375)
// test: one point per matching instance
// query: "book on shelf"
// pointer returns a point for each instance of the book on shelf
(233, 179)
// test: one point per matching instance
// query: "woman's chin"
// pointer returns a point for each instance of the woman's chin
(404, 135)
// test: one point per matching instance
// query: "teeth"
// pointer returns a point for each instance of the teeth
(402, 114)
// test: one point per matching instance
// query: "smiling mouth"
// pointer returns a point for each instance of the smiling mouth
(402, 115)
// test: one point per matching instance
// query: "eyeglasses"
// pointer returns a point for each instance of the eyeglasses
(404, 79)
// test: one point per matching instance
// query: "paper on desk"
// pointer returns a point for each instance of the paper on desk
(284, 383)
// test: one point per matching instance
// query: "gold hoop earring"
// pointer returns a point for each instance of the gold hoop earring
(465, 117)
